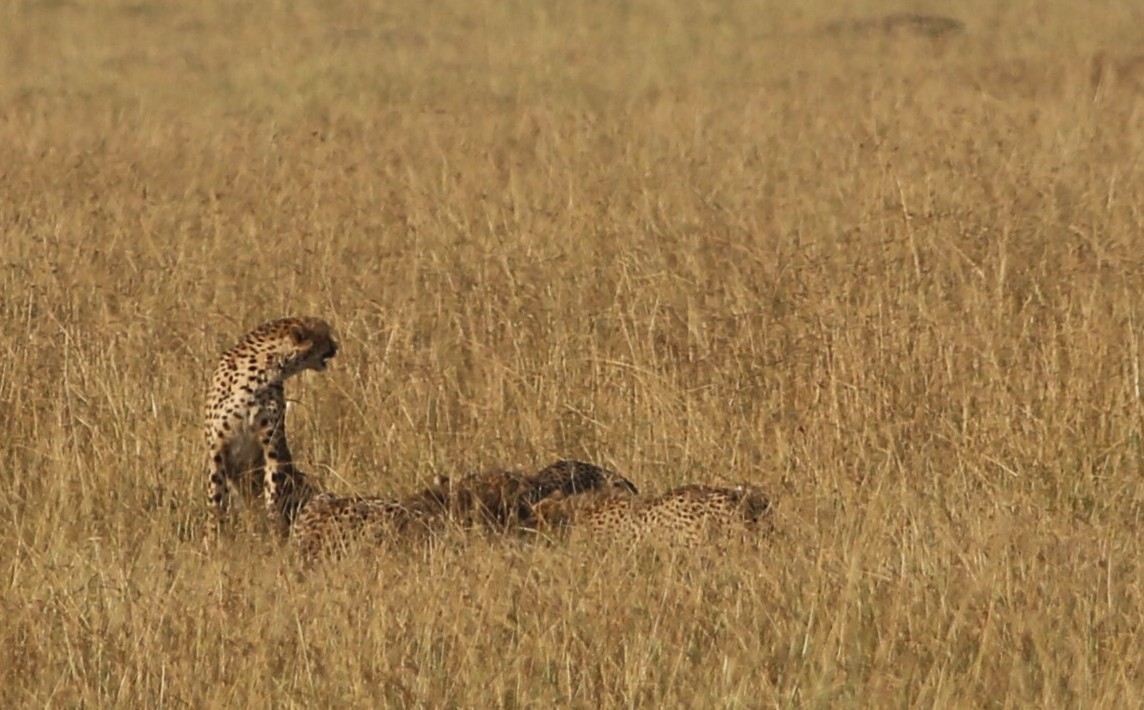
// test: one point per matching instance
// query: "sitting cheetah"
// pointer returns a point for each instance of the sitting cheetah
(503, 500)
(329, 524)
(689, 514)
(246, 416)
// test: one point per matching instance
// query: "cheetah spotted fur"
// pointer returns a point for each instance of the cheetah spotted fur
(688, 515)
(329, 524)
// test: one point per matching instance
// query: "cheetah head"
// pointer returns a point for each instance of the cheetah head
(312, 342)
(619, 485)
(754, 506)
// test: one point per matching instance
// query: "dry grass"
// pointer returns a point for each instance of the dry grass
(894, 280)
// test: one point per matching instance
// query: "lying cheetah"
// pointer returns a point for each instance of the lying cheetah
(503, 500)
(330, 524)
(688, 515)
(498, 501)
(570, 477)
(246, 416)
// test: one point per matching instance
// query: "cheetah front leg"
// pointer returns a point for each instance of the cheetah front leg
(217, 493)
(279, 463)
(218, 486)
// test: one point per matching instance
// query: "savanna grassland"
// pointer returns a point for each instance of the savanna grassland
(893, 278)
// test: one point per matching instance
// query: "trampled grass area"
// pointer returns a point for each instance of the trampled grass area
(893, 279)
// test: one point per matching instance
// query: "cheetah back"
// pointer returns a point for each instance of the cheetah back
(504, 500)
(690, 514)
(330, 524)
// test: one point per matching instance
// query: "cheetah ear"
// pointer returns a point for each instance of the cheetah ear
(441, 481)
(299, 333)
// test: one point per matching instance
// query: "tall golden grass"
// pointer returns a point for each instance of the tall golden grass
(896, 280)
